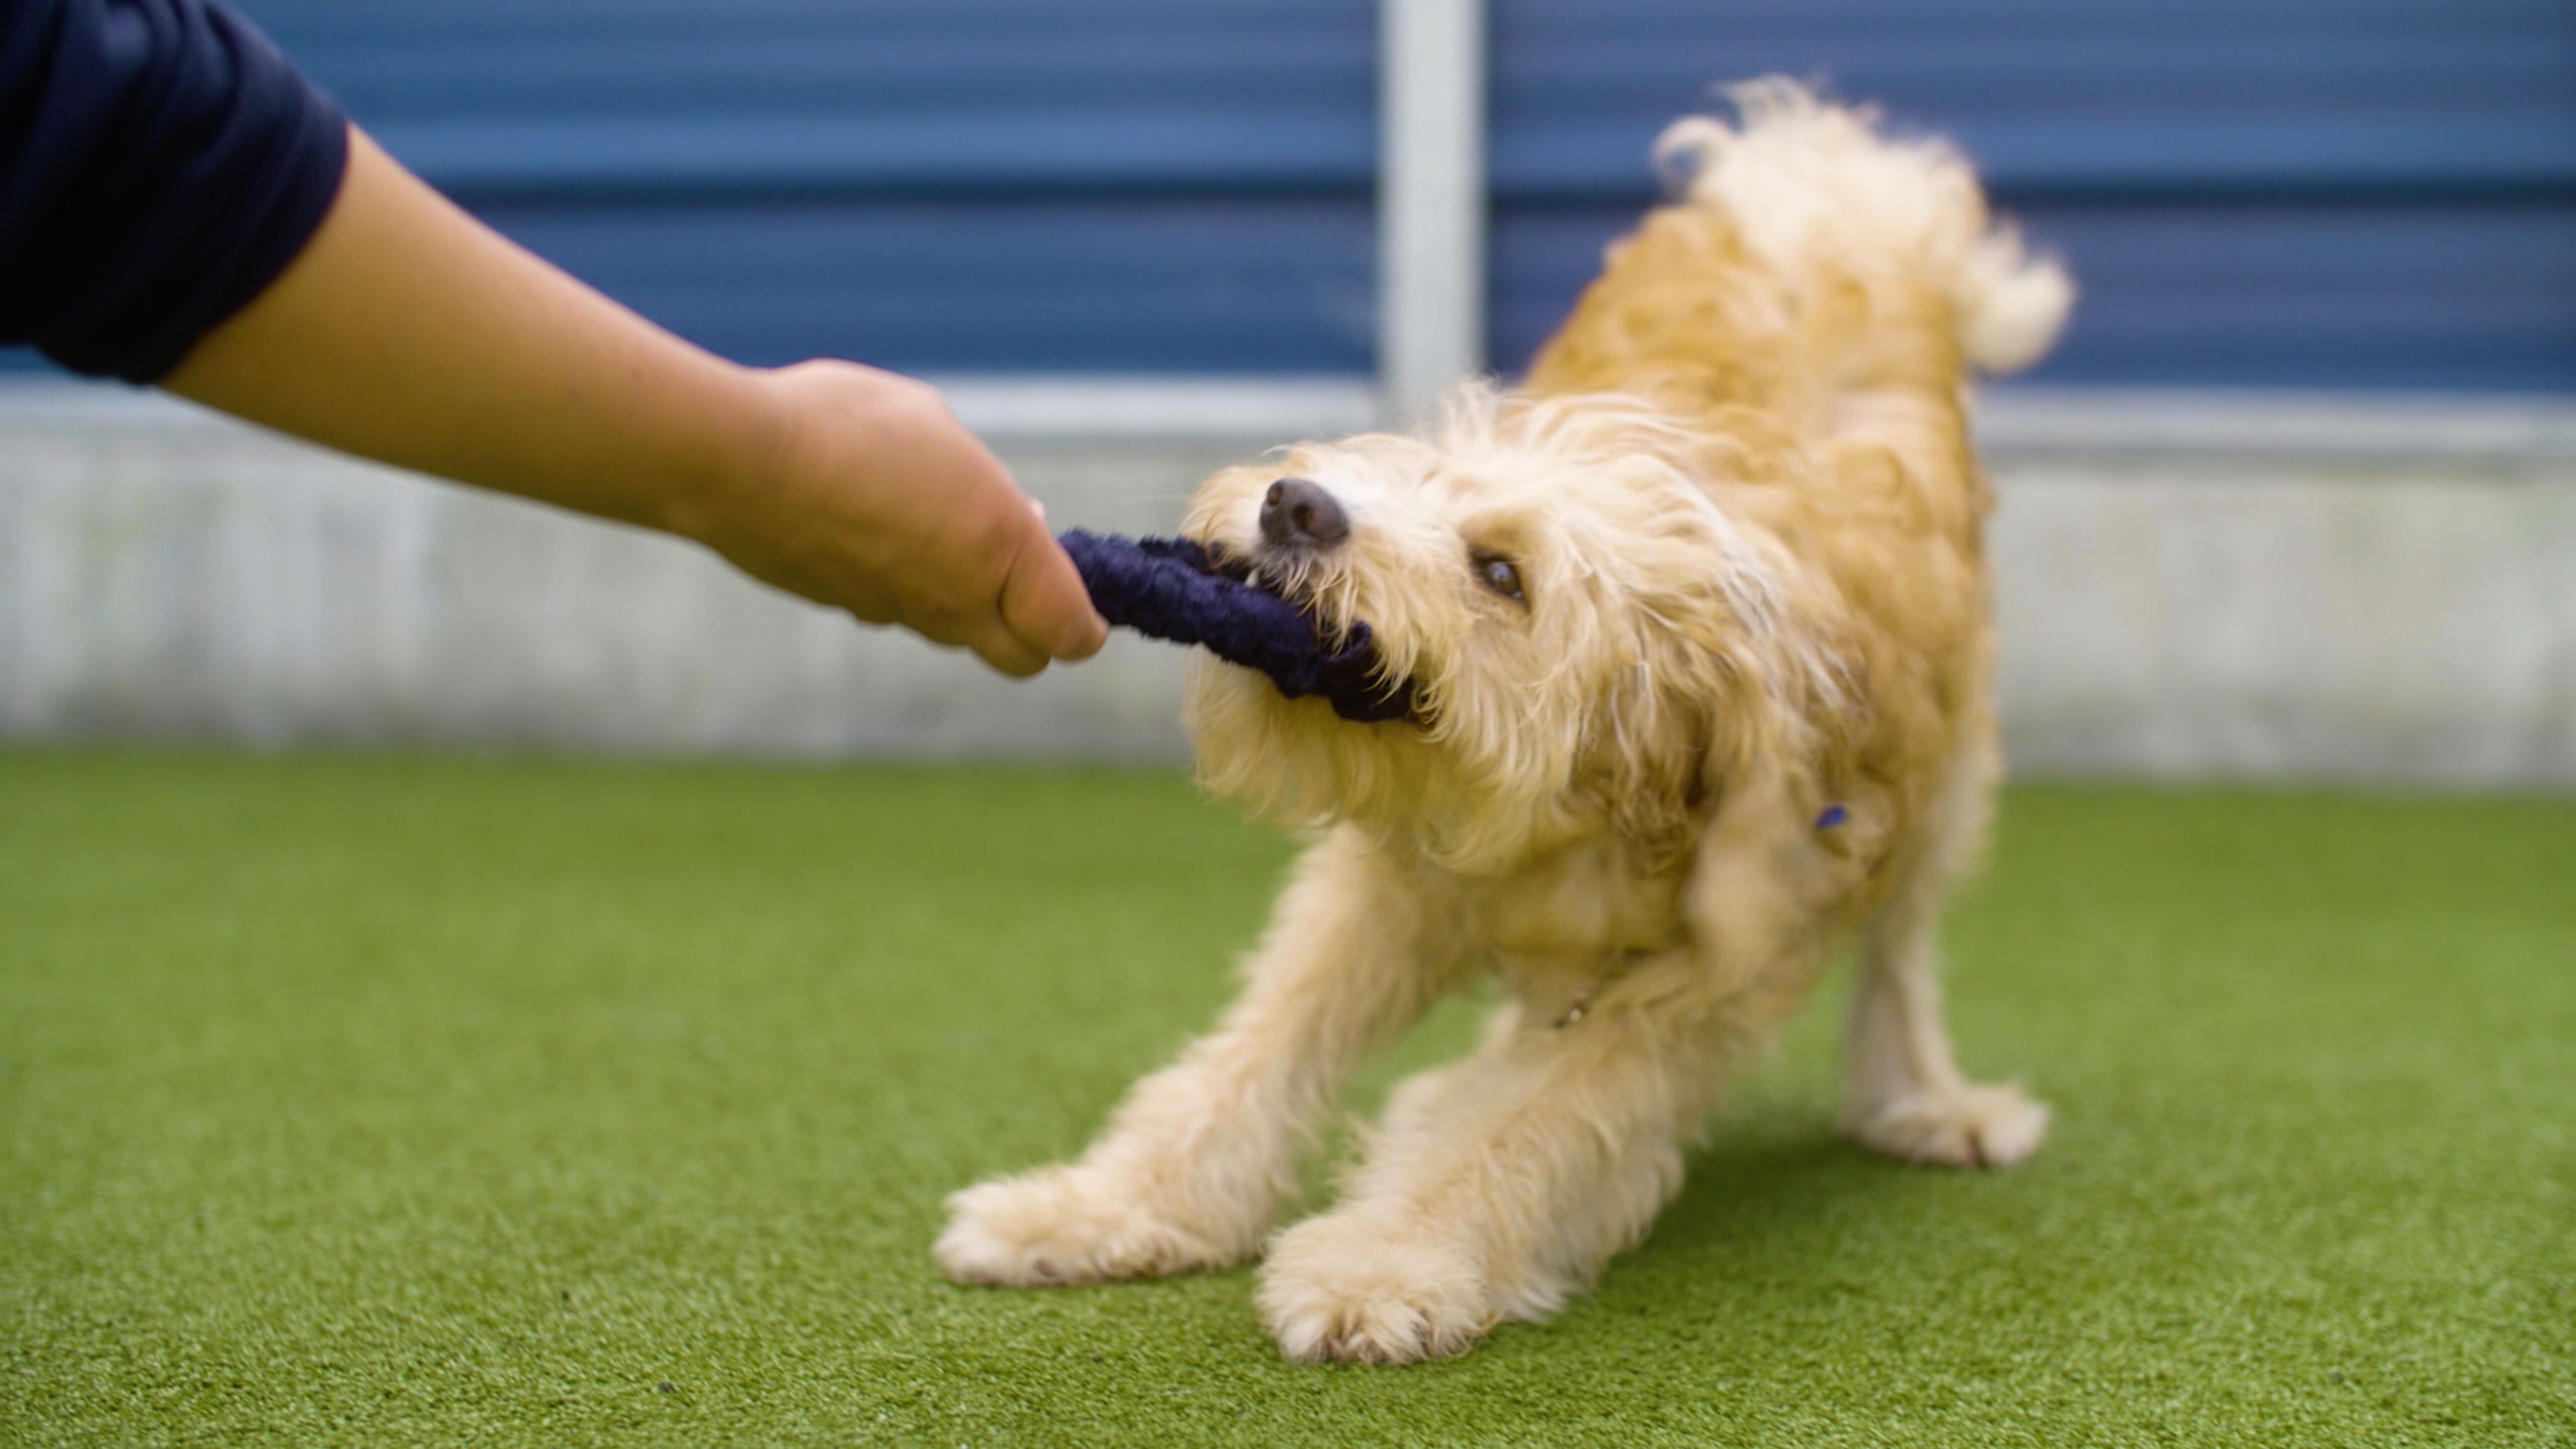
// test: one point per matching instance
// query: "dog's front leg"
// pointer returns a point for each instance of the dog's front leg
(1499, 1185)
(1191, 1167)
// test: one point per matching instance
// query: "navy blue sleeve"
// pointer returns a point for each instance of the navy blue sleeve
(160, 164)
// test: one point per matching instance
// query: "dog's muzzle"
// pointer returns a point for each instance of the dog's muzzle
(1298, 513)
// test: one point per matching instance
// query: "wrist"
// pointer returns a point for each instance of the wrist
(751, 436)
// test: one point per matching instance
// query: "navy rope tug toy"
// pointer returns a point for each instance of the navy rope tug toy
(1168, 588)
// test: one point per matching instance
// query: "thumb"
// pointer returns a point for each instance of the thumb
(1043, 601)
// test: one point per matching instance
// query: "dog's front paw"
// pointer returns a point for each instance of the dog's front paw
(1339, 1287)
(1967, 1127)
(1070, 1224)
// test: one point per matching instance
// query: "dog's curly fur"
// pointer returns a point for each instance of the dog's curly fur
(1739, 709)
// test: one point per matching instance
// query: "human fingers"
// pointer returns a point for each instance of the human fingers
(1005, 651)
(980, 633)
(1043, 600)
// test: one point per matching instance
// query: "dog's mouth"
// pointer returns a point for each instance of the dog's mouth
(1282, 573)
(1347, 671)
(1228, 562)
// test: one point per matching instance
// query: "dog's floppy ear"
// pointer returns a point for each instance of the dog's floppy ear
(1680, 718)
(1718, 682)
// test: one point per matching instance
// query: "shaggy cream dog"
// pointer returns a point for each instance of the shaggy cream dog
(1698, 616)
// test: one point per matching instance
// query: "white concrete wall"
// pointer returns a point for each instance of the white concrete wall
(2186, 587)
(2289, 619)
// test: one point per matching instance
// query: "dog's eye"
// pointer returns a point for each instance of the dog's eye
(1497, 573)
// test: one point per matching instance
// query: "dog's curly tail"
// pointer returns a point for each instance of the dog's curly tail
(1804, 179)
(2011, 304)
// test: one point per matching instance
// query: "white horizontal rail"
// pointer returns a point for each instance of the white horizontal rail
(2013, 419)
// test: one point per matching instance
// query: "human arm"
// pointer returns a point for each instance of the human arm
(408, 332)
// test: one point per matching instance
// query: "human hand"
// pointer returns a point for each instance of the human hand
(873, 498)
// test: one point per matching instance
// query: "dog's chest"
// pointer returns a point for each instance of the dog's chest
(1593, 901)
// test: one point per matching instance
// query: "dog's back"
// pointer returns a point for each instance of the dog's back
(1807, 260)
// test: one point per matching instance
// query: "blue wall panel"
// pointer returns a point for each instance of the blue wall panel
(2373, 193)
(558, 97)
(2457, 295)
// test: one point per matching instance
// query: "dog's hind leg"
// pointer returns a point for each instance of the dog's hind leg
(1903, 1092)
(1190, 1170)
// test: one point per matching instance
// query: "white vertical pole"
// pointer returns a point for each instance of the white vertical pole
(1431, 202)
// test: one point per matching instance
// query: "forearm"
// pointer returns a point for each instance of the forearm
(408, 332)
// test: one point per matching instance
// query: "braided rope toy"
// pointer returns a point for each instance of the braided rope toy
(1169, 588)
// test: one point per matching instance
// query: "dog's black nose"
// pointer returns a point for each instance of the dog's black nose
(1298, 512)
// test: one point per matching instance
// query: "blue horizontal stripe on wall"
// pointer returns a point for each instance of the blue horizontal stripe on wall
(1232, 285)
(2170, 156)
(997, 153)
(2369, 193)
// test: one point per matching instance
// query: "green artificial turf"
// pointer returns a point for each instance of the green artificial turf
(389, 1101)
